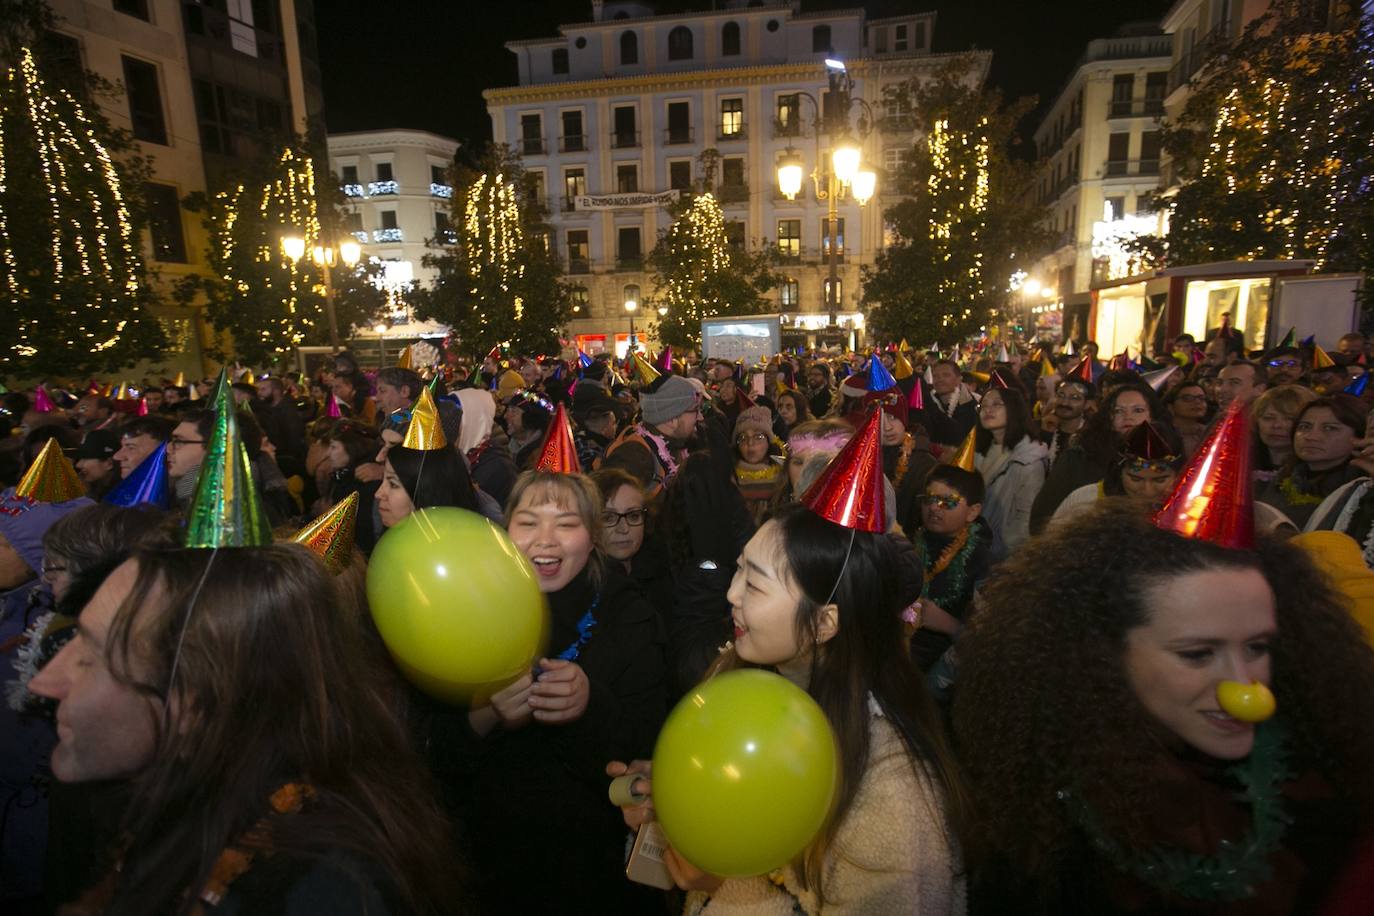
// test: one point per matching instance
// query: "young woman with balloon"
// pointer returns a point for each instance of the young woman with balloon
(414, 479)
(1115, 716)
(816, 600)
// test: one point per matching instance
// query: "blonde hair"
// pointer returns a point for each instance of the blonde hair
(1288, 400)
(576, 492)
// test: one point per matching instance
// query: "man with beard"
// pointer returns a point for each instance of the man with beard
(1072, 399)
(652, 449)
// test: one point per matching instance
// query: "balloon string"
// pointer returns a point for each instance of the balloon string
(181, 637)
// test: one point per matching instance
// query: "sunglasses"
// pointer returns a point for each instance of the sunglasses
(944, 502)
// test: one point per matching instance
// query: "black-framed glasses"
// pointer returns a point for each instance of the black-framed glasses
(944, 502)
(634, 518)
(177, 442)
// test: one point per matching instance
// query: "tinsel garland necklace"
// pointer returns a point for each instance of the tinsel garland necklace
(660, 446)
(948, 554)
(1237, 868)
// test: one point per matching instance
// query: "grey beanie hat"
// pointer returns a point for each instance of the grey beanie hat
(673, 398)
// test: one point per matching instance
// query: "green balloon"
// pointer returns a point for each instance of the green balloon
(456, 603)
(745, 771)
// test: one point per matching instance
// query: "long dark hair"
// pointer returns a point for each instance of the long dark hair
(867, 656)
(271, 686)
(1111, 484)
(433, 478)
(1099, 439)
(1018, 421)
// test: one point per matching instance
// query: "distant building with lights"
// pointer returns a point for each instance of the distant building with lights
(1099, 152)
(399, 196)
(612, 116)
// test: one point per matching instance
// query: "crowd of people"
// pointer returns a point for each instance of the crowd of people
(1038, 595)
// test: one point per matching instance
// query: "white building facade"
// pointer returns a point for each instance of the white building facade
(627, 104)
(399, 196)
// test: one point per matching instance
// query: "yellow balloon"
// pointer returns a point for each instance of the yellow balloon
(1251, 702)
(745, 771)
(456, 603)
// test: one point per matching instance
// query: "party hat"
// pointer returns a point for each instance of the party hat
(645, 372)
(1002, 355)
(494, 353)
(425, 433)
(247, 377)
(51, 478)
(226, 510)
(1289, 339)
(221, 386)
(122, 392)
(1157, 378)
(1069, 347)
(193, 392)
(1212, 500)
(433, 385)
(1309, 341)
(107, 390)
(1046, 366)
(1083, 371)
(879, 379)
(916, 400)
(331, 535)
(1320, 358)
(331, 408)
(147, 484)
(665, 359)
(964, 457)
(142, 410)
(903, 347)
(981, 378)
(93, 389)
(42, 401)
(559, 454)
(1145, 442)
(999, 378)
(849, 491)
(929, 375)
(583, 360)
(1121, 362)
(180, 380)
(901, 366)
(1357, 386)
(404, 360)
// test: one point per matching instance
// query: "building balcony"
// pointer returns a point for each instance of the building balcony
(897, 124)
(733, 194)
(624, 139)
(1129, 168)
(677, 136)
(729, 133)
(386, 235)
(1190, 63)
(440, 190)
(532, 146)
(789, 128)
(361, 236)
(568, 204)
(351, 190)
(574, 144)
(579, 266)
(1126, 47)
(1135, 108)
(629, 262)
(383, 188)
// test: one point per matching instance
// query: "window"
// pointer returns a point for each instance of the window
(624, 134)
(532, 134)
(680, 43)
(629, 48)
(574, 186)
(1114, 208)
(899, 38)
(1118, 146)
(789, 239)
(348, 174)
(896, 103)
(579, 253)
(536, 187)
(578, 296)
(729, 39)
(789, 120)
(735, 234)
(1156, 85)
(145, 101)
(627, 246)
(820, 39)
(839, 237)
(790, 294)
(732, 172)
(353, 222)
(136, 8)
(627, 177)
(573, 140)
(436, 175)
(164, 223)
(1149, 152)
(384, 172)
(559, 60)
(894, 157)
(59, 58)
(443, 228)
(680, 175)
(731, 118)
(679, 122)
(388, 218)
(839, 291)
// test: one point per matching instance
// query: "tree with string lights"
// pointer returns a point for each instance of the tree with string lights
(76, 293)
(265, 303)
(698, 274)
(964, 225)
(499, 280)
(1275, 147)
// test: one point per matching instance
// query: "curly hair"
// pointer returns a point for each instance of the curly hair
(1072, 720)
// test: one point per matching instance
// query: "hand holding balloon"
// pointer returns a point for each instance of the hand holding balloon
(512, 704)
(561, 692)
(1251, 702)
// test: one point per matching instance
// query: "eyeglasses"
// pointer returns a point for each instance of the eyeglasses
(177, 442)
(634, 518)
(944, 502)
(1194, 398)
(1284, 363)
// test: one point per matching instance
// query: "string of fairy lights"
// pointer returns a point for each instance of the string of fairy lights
(959, 170)
(698, 245)
(89, 272)
(492, 235)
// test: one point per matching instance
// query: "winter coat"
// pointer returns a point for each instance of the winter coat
(1013, 480)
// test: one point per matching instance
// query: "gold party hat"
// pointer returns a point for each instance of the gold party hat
(646, 372)
(331, 536)
(404, 360)
(964, 457)
(51, 478)
(425, 433)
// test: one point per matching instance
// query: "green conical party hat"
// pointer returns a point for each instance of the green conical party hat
(221, 387)
(226, 510)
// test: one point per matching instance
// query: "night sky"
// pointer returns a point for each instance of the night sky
(423, 64)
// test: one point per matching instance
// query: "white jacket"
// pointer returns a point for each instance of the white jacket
(1013, 479)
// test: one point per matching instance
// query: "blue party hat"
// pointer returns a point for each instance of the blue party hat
(879, 378)
(583, 360)
(148, 483)
(1357, 386)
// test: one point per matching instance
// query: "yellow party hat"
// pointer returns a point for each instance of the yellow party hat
(901, 366)
(181, 380)
(964, 457)
(247, 377)
(404, 360)
(425, 434)
(1320, 358)
(51, 478)
(331, 536)
(646, 372)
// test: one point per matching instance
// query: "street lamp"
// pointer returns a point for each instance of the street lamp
(630, 306)
(846, 174)
(347, 251)
(663, 311)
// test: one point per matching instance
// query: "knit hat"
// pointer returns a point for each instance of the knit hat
(24, 521)
(752, 420)
(508, 384)
(670, 396)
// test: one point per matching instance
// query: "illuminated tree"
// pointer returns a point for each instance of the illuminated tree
(1273, 148)
(266, 303)
(75, 290)
(499, 279)
(964, 225)
(697, 274)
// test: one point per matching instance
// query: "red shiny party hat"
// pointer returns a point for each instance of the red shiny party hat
(849, 491)
(1212, 501)
(559, 454)
(1083, 371)
(916, 400)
